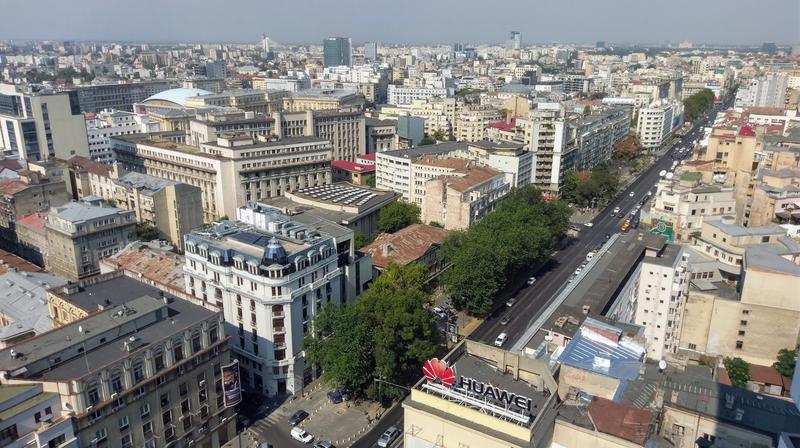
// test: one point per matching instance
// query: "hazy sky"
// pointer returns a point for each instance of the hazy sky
(406, 21)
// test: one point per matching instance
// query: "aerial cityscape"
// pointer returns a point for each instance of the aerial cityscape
(419, 224)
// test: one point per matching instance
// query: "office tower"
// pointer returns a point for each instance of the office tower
(215, 70)
(769, 47)
(600, 44)
(516, 40)
(371, 51)
(40, 124)
(337, 51)
(265, 43)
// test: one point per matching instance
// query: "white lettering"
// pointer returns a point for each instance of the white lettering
(495, 393)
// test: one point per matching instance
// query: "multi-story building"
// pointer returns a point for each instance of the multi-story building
(765, 91)
(337, 51)
(660, 299)
(248, 100)
(273, 273)
(80, 234)
(23, 305)
(346, 131)
(371, 51)
(457, 199)
(29, 194)
(120, 96)
(381, 135)
(591, 139)
(656, 122)
(548, 136)
(417, 243)
(323, 99)
(403, 95)
(173, 208)
(727, 242)
(41, 124)
(233, 170)
(471, 124)
(683, 202)
(132, 368)
(208, 126)
(108, 123)
(283, 83)
(34, 418)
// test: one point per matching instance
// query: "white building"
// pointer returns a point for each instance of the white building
(273, 273)
(401, 95)
(109, 123)
(656, 122)
(766, 91)
(660, 298)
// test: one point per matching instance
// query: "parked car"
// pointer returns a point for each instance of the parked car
(388, 436)
(335, 397)
(500, 340)
(505, 320)
(324, 445)
(632, 194)
(616, 210)
(301, 435)
(298, 417)
(531, 281)
(589, 256)
(511, 302)
(588, 224)
(439, 312)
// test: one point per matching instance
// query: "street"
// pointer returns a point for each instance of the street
(556, 271)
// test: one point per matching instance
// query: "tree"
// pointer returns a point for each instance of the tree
(426, 141)
(522, 230)
(436, 224)
(627, 148)
(569, 188)
(738, 371)
(698, 104)
(371, 181)
(359, 240)
(387, 333)
(398, 215)
(439, 135)
(787, 360)
(146, 232)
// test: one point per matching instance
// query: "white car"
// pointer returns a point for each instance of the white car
(588, 224)
(301, 435)
(531, 281)
(501, 339)
(388, 436)
(632, 193)
(578, 271)
(511, 302)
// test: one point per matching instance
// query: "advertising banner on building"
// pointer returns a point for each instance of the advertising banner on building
(231, 385)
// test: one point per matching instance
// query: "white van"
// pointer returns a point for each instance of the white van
(501, 339)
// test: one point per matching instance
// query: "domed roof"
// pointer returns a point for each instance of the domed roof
(275, 253)
(178, 96)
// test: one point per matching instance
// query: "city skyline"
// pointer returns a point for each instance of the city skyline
(625, 21)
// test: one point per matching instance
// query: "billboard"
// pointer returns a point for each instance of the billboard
(231, 384)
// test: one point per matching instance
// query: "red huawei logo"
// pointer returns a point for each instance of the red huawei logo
(435, 369)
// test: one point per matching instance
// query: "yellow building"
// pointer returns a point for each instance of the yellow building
(480, 407)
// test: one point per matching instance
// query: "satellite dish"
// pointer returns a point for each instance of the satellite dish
(662, 364)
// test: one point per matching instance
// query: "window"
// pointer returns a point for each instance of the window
(159, 361)
(124, 424)
(743, 323)
(741, 332)
(138, 372)
(745, 312)
(203, 395)
(95, 415)
(187, 423)
(101, 435)
(144, 410)
(166, 417)
(184, 389)
(678, 430)
(165, 400)
(765, 239)
(169, 433)
(739, 345)
(150, 444)
(196, 344)
(147, 429)
(9, 435)
(185, 407)
(692, 346)
(94, 395)
(177, 351)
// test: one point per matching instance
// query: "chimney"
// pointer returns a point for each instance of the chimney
(387, 250)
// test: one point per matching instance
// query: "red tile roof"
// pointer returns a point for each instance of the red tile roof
(504, 125)
(352, 167)
(407, 245)
(12, 186)
(475, 176)
(621, 420)
(34, 221)
(370, 157)
(747, 131)
(760, 374)
(9, 261)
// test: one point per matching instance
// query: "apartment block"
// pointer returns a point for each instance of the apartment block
(172, 208)
(208, 126)
(660, 299)
(656, 122)
(548, 136)
(135, 369)
(30, 193)
(108, 123)
(80, 234)
(120, 96)
(403, 95)
(768, 90)
(345, 130)
(323, 99)
(247, 100)
(232, 170)
(459, 198)
(33, 417)
(273, 273)
(41, 124)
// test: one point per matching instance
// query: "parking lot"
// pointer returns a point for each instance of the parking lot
(340, 423)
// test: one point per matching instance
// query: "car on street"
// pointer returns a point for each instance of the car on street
(531, 281)
(588, 224)
(511, 302)
(616, 210)
(500, 340)
(505, 320)
(632, 194)
(324, 445)
(264, 445)
(298, 417)
(388, 436)
(301, 435)
(335, 397)
(589, 256)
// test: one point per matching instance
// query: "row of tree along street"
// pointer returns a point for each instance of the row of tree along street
(383, 338)
(698, 104)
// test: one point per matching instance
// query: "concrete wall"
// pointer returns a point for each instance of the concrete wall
(683, 428)
(589, 382)
(567, 435)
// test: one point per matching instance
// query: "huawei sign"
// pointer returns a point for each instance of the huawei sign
(434, 369)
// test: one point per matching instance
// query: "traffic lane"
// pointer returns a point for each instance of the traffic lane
(392, 418)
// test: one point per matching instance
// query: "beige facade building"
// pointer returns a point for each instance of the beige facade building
(248, 100)
(41, 125)
(80, 234)
(471, 124)
(233, 170)
(345, 130)
(497, 400)
(457, 199)
(323, 99)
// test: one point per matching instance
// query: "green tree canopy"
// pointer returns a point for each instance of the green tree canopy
(522, 230)
(698, 104)
(146, 232)
(398, 215)
(787, 360)
(359, 240)
(738, 371)
(387, 333)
